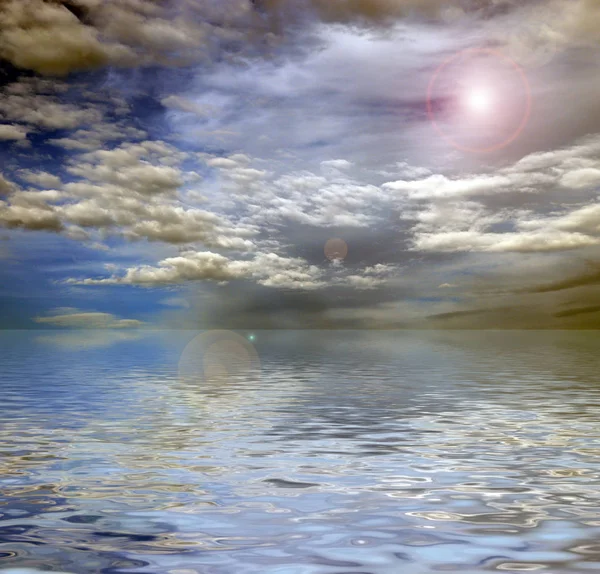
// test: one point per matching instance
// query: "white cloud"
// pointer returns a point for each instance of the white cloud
(46, 111)
(131, 191)
(175, 302)
(581, 178)
(74, 319)
(440, 186)
(12, 132)
(188, 106)
(364, 283)
(96, 136)
(267, 269)
(455, 215)
(29, 217)
(40, 178)
(339, 164)
(5, 186)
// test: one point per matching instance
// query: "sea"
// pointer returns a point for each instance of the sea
(299, 452)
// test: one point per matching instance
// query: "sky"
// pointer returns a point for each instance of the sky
(300, 164)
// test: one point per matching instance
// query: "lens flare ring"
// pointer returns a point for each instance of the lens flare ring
(523, 78)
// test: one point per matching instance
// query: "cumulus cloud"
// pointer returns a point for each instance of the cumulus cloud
(135, 191)
(440, 186)
(128, 168)
(132, 191)
(28, 210)
(40, 178)
(311, 200)
(188, 266)
(461, 214)
(63, 36)
(12, 132)
(46, 110)
(5, 186)
(362, 282)
(59, 37)
(48, 38)
(267, 269)
(581, 178)
(97, 135)
(75, 319)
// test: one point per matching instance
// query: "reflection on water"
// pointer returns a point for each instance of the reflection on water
(364, 453)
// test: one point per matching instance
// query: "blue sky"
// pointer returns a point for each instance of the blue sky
(183, 164)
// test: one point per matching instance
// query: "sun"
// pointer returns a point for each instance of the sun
(479, 100)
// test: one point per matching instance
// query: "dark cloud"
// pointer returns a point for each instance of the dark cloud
(57, 37)
(458, 314)
(380, 11)
(585, 279)
(578, 311)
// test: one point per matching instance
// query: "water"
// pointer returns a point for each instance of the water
(327, 453)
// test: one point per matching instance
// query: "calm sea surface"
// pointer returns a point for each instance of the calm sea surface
(300, 453)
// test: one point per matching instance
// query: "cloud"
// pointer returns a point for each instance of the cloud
(26, 571)
(175, 302)
(312, 200)
(325, 162)
(47, 38)
(46, 111)
(272, 270)
(578, 311)
(567, 23)
(12, 132)
(461, 214)
(581, 178)
(439, 186)
(5, 186)
(377, 11)
(372, 277)
(56, 38)
(29, 217)
(63, 36)
(28, 210)
(267, 269)
(337, 164)
(188, 106)
(40, 178)
(97, 136)
(588, 278)
(133, 191)
(521, 242)
(74, 319)
(129, 167)
(84, 338)
(458, 314)
(362, 282)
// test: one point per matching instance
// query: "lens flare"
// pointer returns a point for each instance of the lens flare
(218, 357)
(336, 249)
(493, 96)
(479, 101)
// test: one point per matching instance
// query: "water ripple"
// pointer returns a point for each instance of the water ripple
(345, 453)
